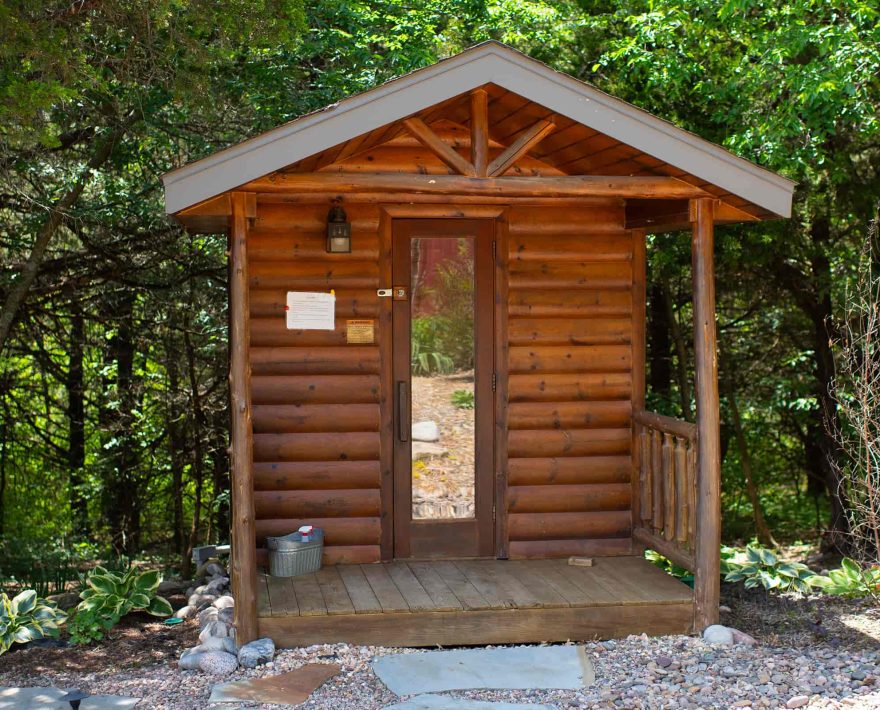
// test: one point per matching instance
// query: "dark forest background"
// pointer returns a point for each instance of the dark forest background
(113, 379)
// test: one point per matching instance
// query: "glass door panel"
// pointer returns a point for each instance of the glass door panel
(442, 377)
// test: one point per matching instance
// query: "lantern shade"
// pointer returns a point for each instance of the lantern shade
(338, 231)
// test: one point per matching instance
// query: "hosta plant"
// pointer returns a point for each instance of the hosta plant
(26, 617)
(110, 594)
(759, 567)
(851, 580)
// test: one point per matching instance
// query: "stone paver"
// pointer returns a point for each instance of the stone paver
(519, 668)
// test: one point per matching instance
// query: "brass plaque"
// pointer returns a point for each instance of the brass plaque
(360, 331)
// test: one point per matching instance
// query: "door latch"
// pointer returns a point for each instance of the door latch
(383, 292)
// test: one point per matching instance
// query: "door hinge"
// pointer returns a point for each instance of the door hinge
(494, 381)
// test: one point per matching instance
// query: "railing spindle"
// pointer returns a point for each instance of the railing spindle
(657, 470)
(681, 490)
(668, 488)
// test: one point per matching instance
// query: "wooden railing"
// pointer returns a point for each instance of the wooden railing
(666, 458)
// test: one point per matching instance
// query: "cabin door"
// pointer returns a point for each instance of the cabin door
(443, 387)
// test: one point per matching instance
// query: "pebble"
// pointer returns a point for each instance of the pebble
(256, 653)
(798, 701)
(217, 663)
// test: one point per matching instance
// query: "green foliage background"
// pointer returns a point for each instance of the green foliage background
(113, 381)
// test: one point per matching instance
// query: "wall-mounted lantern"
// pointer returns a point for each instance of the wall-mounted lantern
(338, 230)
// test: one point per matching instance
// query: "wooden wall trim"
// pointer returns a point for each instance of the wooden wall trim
(502, 346)
(708, 532)
(244, 562)
(386, 397)
(639, 354)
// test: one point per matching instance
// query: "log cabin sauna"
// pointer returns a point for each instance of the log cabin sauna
(552, 187)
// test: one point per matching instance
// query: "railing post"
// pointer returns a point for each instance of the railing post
(708, 523)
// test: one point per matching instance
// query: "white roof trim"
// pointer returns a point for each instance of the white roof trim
(493, 63)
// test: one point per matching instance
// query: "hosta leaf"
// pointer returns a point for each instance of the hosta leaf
(102, 584)
(139, 600)
(148, 581)
(160, 607)
(850, 567)
(767, 557)
(24, 603)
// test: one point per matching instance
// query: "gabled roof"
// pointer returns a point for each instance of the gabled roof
(487, 63)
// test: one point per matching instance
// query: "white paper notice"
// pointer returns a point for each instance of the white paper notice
(311, 310)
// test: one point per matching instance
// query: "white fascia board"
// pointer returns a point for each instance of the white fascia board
(489, 63)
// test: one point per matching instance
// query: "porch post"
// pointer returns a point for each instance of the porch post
(244, 552)
(708, 524)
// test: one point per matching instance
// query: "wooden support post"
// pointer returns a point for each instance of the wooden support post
(244, 547)
(480, 132)
(707, 584)
(637, 343)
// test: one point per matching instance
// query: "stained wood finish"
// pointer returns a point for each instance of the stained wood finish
(473, 602)
(316, 399)
(708, 458)
(570, 388)
(244, 564)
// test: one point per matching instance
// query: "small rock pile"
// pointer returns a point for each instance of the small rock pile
(212, 604)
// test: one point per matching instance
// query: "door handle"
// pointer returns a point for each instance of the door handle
(403, 423)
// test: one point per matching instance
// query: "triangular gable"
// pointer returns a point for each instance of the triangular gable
(488, 63)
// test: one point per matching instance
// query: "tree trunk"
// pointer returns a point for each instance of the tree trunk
(765, 537)
(122, 494)
(681, 357)
(76, 441)
(660, 379)
(198, 443)
(57, 212)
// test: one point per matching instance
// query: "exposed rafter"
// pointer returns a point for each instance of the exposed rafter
(480, 132)
(438, 147)
(556, 186)
(524, 142)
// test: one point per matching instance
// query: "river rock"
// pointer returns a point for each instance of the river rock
(65, 600)
(216, 643)
(215, 628)
(718, 635)
(256, 653)
(189, 659)
(207, 615)
(218, 663)
(185, 612)
(425, 431)
(200, 601)
(224, 602)
(227, 616)
(798, 701)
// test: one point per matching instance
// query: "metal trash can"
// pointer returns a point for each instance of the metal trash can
(289, 556)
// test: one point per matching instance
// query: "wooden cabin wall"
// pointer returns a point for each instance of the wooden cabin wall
(315, 399)
(569, 331)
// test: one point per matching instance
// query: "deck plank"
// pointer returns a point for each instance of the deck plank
(386, 591)
(550, 572)
(281, 596)
(441, 595)
(510, 586)
(466, 592)
(308, 595)
(359, 590)
(534, 581)
(264, 606)
(484, 579)
(583, 578)
(639, 573)
(333, 590)
(416, 597)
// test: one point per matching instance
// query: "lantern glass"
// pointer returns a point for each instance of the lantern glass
(338, 231)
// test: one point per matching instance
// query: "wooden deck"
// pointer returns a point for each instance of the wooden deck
(467, 602)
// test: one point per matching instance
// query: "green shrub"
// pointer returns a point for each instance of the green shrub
(463, 399)
(666, 564)
(26, 617)
(111, 595)
(851, 580)
(427, 356)
(759, 567)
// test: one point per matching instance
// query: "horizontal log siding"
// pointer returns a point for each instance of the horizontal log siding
(315, 398)
(570, 384)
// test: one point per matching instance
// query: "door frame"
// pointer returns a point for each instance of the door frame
(499, 214)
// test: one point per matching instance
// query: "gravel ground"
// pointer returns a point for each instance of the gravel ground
(822, 652)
